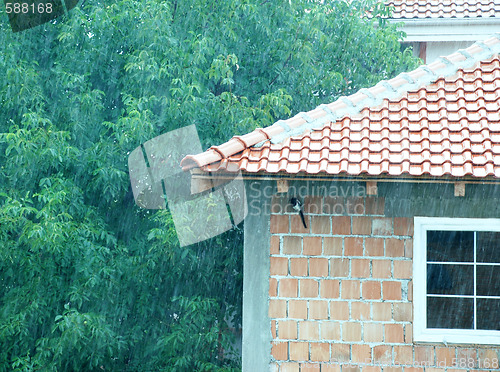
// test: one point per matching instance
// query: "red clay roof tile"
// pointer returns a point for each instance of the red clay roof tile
(441, 120)
(412, 9)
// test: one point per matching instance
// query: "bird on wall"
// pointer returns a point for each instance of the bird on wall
(297, 207)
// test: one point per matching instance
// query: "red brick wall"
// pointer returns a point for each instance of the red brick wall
(340, 293)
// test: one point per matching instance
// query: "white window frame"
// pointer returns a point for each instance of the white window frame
(420, 331)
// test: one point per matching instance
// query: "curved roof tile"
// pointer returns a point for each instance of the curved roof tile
(441, 119)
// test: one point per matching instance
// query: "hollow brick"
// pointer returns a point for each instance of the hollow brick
(275, 244)
(360, 311)
(339, 310)
(373, 332)
(393, 369)
(308, 330)
(408, 248)
(296, 225)
(320, 225)
(341, 352)
(298, 266)
(339, 267)
(424, 355)
(292, 245)
(318, 309)
(374, 206)
(351, 332)
(353, 246)
(391, 290)
(320, 351)
(273, 287)
(318, 267)
(333, 205)
(350, 289)
(381, 311)
(341, 225)
(330, 367)
(332, 246)
(403, 354)
(330, 330)
(299, 351)
(287, 329)
(313, 204)
(403, 269)
(297, 309)
(374, 247)
(382, 354)
(361, 353)
(277, 308)
(288, 287)
(279, 224)
(403, 312)
(445, 356)
(489, 358)
(279, 350)
(419, 369)
(355, 205)
(371, 369)
(289, 367)
(382, 226)
(308, 288)
(408, 333)
(403, 226)
(371, 290)
(394, 247)
(361, 225)
(279, 265)
(360, 268)
(381, 269)
(312, 246)
(329, 288)
(394, 333)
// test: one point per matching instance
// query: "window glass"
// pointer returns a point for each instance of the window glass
(450, 246)
(488, 281)
(488, 314)
(488, 247)
(450, 312)
(450, 279)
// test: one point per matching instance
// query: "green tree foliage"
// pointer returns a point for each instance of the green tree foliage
(88, 281)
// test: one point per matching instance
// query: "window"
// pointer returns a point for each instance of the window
(456, 265)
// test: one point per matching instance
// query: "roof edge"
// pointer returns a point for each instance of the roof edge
(350, 105)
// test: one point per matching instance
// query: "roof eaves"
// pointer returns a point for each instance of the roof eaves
(350, 105)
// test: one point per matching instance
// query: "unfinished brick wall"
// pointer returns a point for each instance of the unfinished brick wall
(340, 293)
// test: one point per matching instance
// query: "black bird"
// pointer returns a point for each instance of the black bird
(297, 207)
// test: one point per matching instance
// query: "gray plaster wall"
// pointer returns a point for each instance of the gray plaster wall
(256, 342)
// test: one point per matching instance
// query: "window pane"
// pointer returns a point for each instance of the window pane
(488, 281)
(488, 314)
(450, 279)
(488, 247)
(457, 313)
(450, 246)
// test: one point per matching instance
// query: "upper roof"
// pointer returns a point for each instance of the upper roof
(442, 119)
(418, 9)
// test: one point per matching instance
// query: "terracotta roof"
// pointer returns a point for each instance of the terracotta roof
(440, 119)
(416, 9)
